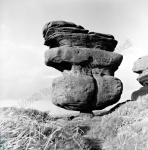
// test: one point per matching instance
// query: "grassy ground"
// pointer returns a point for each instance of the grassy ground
(125, 128)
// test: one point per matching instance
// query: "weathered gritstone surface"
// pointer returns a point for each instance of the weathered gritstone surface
(64, 57)
(87, 62)
(143, 78)
(80, 40)
(141, 67)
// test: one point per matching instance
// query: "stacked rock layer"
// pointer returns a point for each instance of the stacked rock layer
(141, 67)
(87, 62)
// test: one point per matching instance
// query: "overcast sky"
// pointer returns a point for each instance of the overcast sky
(22, 70)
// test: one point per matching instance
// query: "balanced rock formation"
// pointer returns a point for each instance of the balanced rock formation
(141, 67)
(88, 64)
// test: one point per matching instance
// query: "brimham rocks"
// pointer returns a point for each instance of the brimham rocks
(141, 67)
(87, 62)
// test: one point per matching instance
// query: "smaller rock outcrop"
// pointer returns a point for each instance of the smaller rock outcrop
(141, 67)
(143, 91)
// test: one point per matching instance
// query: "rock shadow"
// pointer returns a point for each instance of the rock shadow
(93, 144)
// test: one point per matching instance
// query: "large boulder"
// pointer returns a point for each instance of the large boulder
(84, 93)
(73, 92)
(62, 58)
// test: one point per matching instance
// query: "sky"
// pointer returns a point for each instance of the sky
(25, 81)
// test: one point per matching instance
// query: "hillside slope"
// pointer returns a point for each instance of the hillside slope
(125, 128)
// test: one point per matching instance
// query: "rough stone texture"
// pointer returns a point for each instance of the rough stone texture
(84, 93)
(107, 92)
(103, 71)
(140, 65)
(143, 91)
(62, 58)
(143, 78)
(102, 35)
(81, 40)
(73, 92)
(87, 62)
(59, 33)
(53, 30)
(57, 24)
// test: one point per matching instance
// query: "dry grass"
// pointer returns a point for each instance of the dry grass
(21, 129)
(33, 130)
(133, 132)
(124, 129)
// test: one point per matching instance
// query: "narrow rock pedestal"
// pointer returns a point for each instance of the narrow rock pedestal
(88, 64)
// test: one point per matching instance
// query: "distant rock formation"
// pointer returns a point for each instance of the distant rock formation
(141, 67)
(143, 91)
(87, 62)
